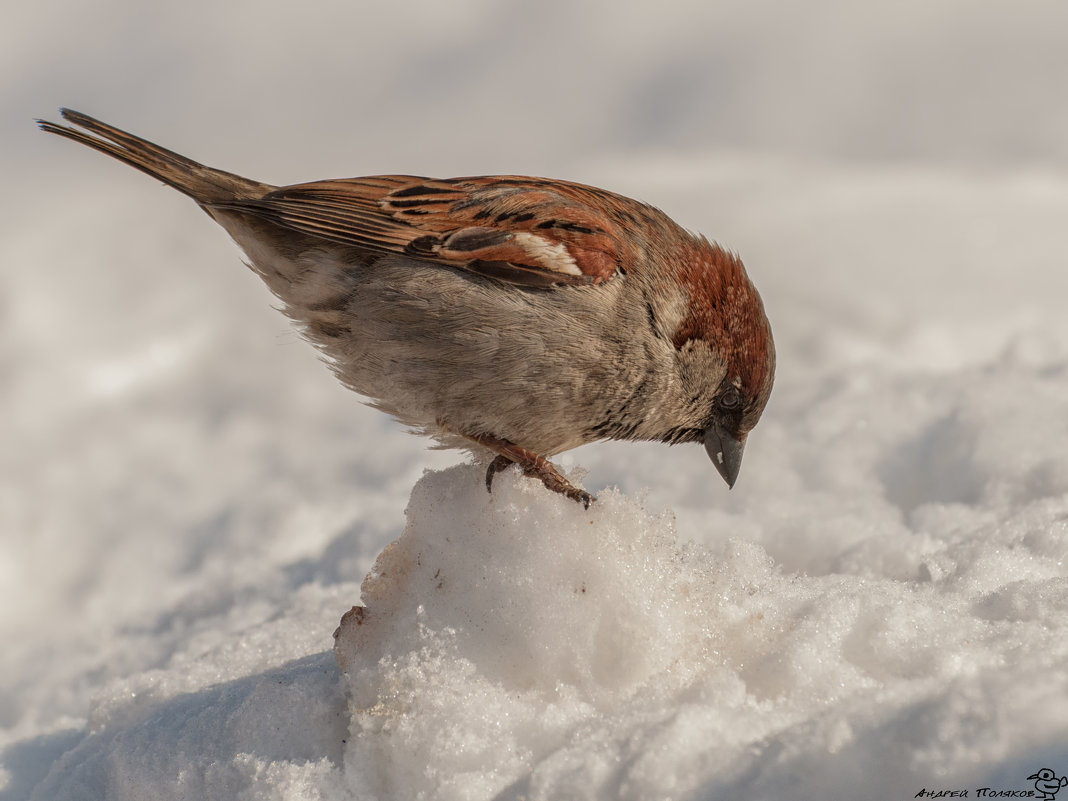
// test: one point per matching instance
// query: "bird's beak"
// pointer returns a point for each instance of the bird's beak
(725, 451)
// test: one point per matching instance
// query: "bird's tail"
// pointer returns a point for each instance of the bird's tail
(204, 184)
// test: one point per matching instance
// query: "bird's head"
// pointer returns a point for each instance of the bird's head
(725, 344)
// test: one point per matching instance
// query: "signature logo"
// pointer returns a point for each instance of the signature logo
(1047, 784)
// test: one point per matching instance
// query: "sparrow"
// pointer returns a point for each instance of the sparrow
(515, 315)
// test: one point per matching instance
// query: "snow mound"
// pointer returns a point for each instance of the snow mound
(516, 646)
(498, 629)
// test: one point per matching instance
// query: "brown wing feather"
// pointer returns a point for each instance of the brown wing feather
(510, 228)
(564, 228)
(345, 211)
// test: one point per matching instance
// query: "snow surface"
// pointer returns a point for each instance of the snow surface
(190, 503)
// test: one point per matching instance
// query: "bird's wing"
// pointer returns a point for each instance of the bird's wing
(525, 231)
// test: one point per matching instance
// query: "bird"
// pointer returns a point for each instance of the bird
(1047, 784)
(512, 316)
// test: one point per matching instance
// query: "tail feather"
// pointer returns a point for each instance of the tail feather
(204, 184)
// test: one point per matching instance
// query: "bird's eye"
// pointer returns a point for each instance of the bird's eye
(730, 399)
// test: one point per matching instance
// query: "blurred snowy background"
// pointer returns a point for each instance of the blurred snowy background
(189, 501)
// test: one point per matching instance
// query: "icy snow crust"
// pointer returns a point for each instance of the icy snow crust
(516, 646)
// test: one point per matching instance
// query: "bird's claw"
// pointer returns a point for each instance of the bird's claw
(496, 466)
(532, 465)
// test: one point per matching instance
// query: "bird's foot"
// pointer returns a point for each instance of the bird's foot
(532, 465)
